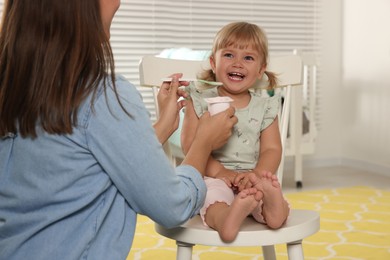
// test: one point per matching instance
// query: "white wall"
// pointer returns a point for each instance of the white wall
(355, 84)
(366, 81)
(328, 148)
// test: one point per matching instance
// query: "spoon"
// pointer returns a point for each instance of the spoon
(212, 83)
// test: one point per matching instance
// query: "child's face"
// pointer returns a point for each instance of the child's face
(238, 69)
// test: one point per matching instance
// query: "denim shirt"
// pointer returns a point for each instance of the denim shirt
(77, 196)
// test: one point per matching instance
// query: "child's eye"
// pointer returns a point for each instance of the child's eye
(249, 58)
(228, 55)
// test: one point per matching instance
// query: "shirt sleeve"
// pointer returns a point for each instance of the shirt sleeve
(128, 150)
(271, 111)
(198, 95)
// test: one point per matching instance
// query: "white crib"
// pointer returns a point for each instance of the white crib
(302, 129)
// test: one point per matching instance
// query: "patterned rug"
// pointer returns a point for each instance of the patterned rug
(355, 224)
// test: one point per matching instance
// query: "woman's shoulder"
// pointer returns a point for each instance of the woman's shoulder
(106, 98)
(124, 89)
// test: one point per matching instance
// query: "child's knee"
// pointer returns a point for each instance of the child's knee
(217, 191)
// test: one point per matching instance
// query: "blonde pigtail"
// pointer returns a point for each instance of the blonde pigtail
(272, 80)
(208, 75)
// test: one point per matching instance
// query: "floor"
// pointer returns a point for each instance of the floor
(334, 177)
(354, 219)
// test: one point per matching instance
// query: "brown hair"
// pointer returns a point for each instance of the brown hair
(242, 35)
(53, 54)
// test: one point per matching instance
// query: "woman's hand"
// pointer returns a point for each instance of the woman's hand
(216, 130)
(211, 133)
(169, 106)
(228, 176)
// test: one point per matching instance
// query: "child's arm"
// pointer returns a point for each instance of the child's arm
(269, 158)
(270, 149)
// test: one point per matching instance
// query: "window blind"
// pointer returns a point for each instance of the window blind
(146, 27)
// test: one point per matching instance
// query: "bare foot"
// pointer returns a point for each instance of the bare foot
(275, 207)
(272, 177)
(232, 217)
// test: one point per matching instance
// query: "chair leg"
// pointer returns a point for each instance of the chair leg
(295, 250)
(184, 251)
(269, 252)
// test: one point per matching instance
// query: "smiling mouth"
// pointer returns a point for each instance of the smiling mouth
(236, 76)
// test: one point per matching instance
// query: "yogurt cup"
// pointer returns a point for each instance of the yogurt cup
(218, 104)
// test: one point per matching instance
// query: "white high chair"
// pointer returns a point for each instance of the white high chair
(300, 223)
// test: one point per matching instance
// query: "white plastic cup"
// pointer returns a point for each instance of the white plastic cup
(216, 105)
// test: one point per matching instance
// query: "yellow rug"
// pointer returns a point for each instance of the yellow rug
(355, 224)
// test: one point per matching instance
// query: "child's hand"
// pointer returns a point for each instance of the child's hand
(228, 176)
(243, 181)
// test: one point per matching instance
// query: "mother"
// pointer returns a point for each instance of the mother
(79, 157)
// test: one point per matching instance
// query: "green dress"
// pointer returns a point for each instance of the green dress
(241, 152)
